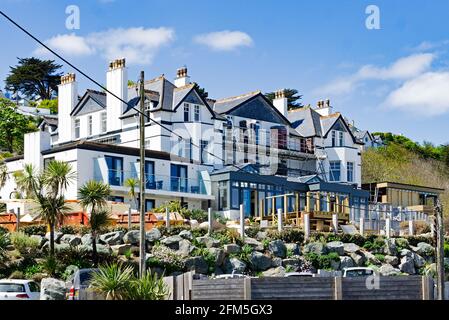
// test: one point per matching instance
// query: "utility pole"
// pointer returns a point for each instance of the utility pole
(142, 253)
(440, 250)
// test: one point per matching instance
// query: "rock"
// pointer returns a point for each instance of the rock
(406, 253)
(208, 241)
(232, 248)
(407, 265)
(215, 225)
(274, 272)
(153, 235)
(261, 235)
(390, 247)
(186, 234)
(292, 262)
(61, 246)
(194, 224)
(71, 269)
(58, 236)
(219, 255)
(256, 245)
(234, 265)
(85, 247)
(315, 247)
(197, 265)
(87, 239)
(336, 246)
(351, 248)
(294, 248)
(121, 249)
(419, 261)
(185, 247)
(132, 237)
(346, 262)
(103, 249)
(393, 260)
(358, 259)
(41, 239)
(112, 238)
(335, 265)
(259, 261)
(388, 270)
(218, 271)
(278, 248)
(71, 240)
(172, 242)
(371, 258)
(425, 249)
(52, 289)
(276, 262)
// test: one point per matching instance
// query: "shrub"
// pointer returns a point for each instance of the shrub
(401, 243)
(222, 236)
(51, 266)
(16, 275)
(84, 230)
(167, 259)
(196, 233)
(287, 235)
(68, 229)
(421, 227)
(446, 250)
(380, 257)
(414, 240)
(150, 287)
(220, 218)
(39, 229)
(252, 231)
(31, 270)
(173, 230)
(207, 256)
(3, 230)
(374, 243)
(77, 256)
(353, 238)
(322, 261)
(198, 215)
(23, 243)
(112, 280)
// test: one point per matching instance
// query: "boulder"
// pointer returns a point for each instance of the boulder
(261, 235)
(393, 260)
(276, 262)
(406, 253)
(256, 245)
(185, 247)
(278, 248)
(172, 242)
(259, 261)
(41, 239)
(388, 270)
(208, 241)
(186, 234)
(359, 260)
(346, 262)
(315, 247)
(103, 249)
(121, 249)
(71, 269)
(335, 265)
(112, 238)
(219, 255)
(294, 248)
(234, 265)
(153, 235)
(390, 247)
(336, 246)
(71, 240)
(58, 236)
(274, 272)
(425, 249)
(85, 247)
(61, 246)
(371, 258)
(194, 224)
(419, 261)
(232, 248)
(292, 262)
(215, 225)
(132, 237)
(52, 289)
(351, 248)
(407, 265)
(197, 265)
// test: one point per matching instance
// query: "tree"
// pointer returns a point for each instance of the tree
(201, 91)
(133, 185)
(52, 105)
(13, 126)
(93, 198)
(292, 98)
(26, 181)
(33, 77)
(3, 174)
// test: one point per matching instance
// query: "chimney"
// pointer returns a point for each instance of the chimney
(281, 102)
(182, 78)
(67, 99)
(324, 108)
(117, 83)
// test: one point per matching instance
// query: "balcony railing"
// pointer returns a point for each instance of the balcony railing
(154, 181)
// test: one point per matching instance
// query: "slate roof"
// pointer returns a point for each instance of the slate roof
(306, 121)
(98, 97)
(227, 104)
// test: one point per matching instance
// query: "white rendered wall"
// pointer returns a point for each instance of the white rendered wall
(67, 99)
(117, 83)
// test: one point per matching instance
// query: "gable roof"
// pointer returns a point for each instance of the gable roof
(225, 105)
(99, 102)
(305, 121)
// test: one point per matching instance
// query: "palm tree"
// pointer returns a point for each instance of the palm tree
(26, 181)
(93, 197)
(3, 174)
(58, 175)
(112, 280)
(132, 184)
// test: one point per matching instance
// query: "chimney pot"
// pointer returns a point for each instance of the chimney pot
(117, 64)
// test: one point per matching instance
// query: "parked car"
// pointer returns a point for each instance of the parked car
(358, 272)
(299, 274)
(78, 283)
(231, 276)
(14, 289)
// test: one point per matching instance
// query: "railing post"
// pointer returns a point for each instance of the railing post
(411, 228)
(280, 224)
(362, 226)
(167, 218)
(306, 216)
(338, 292)
(209, 220)
(335, 223)
(242, 222)
(246, 288)
(388, 227)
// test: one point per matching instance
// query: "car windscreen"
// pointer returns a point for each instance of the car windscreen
(12, 287)
(358, 273)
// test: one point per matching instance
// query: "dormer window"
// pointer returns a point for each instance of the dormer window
(186, 112)
(77, 128)
(196, 113)
(103, 122)
(341, 139)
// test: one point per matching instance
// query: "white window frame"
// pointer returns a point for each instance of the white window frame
(186, 111)
(77, 128)
(348, 164)
(103, 122)
(341, 139)
(332, 178)
(89, 125)
(196, 113)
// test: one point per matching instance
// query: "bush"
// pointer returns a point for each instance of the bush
(446, 250)
(252, 231)
(31, 270)
(16, 275)
(69, 229)
(166, 259)
(222, 236)
(76, 256)
(353, 238)
(150, 287)
(287, 235)
(51, 266)
(374, 243)
(199, 215)
(3, 230)
(401, 243)
(207, 256)
(112, 280)
(380, 257)
(414, 240)
(322, 261)
(38, 229)
(173, 230)
(23, 243)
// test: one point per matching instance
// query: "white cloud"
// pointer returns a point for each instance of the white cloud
(137, 45)
(427, 94)
(224, 40)
(402, 69)
(66, 44)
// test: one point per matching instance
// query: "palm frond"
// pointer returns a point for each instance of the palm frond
(93, 194)
(58, 176)
(99, 219)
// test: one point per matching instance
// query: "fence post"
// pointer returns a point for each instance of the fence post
(209, 220)
(280, 222)
(335, 223)
(242, 222)
(306, 225)
(129, 218)
(18, 219)
(246, 288)
(167, 218)
(338, 292)
(411, 228)
(388, 227)
(426, 287)
(362, 226)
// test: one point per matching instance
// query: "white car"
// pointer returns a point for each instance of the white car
(14, 289)
(358, 272)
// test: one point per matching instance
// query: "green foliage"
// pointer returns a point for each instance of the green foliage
(174, 206)
(245, 253)
(292, 98)
(380, 257)
(3, 230)
(112, 280)
(220, 218)
(52, 105)
(222, 236)
(77, 256)
(401, 243)
(252, 231)
(38, 229)
(4, 242)
(446, 250)
(322, 261)
(287, 235)
(31, 270)
(16, 275)
(165, 258)
(414, 240)
(207, 256)
(199, 215)
(69, 229)
(52, 266)
(24, 243)
(289, 268)
(150, 287)
(374, 244)
(173, 230)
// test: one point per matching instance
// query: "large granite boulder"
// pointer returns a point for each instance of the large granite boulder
(371, 258)
(41, 239)
(393, 260)
(277, 248)
(294, 248)
(315, 247)
(121, 249)
(259, 261)
(209, 242)
(358, 259)
(232, 248)
(186, 234)
(87, 239)
(294, 263)
(53, 289)
(132, 237)
(197, 265)
(336, 246)
(185, 247)
(112, 238)
(234, 265)
(256, 245)
(424, 249)
(351, 248)
(390, 247)
(407, 265)
(274, 272)
(172, 242)
(388, 270)
(218, 254)
(419, 261)
(71, 240)
(153, 235)
(346, 262)
(57, 234)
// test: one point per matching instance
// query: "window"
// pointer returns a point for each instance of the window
(350, 171)
(203, 149)
(334, 138)
(47, 161)
(186, 112)
(223, 195)
(334, 170)
(103, 120)
(89, 125)
(235, 198)
(116, 199)
(115, 170)
(178, 178)
(147, 106)
(188, 148)
(341, 140)
(196, 113)
(77, 128)
(149, 204)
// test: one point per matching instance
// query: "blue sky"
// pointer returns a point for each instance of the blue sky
(393, 79)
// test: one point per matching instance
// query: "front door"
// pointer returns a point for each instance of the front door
(247, 199)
